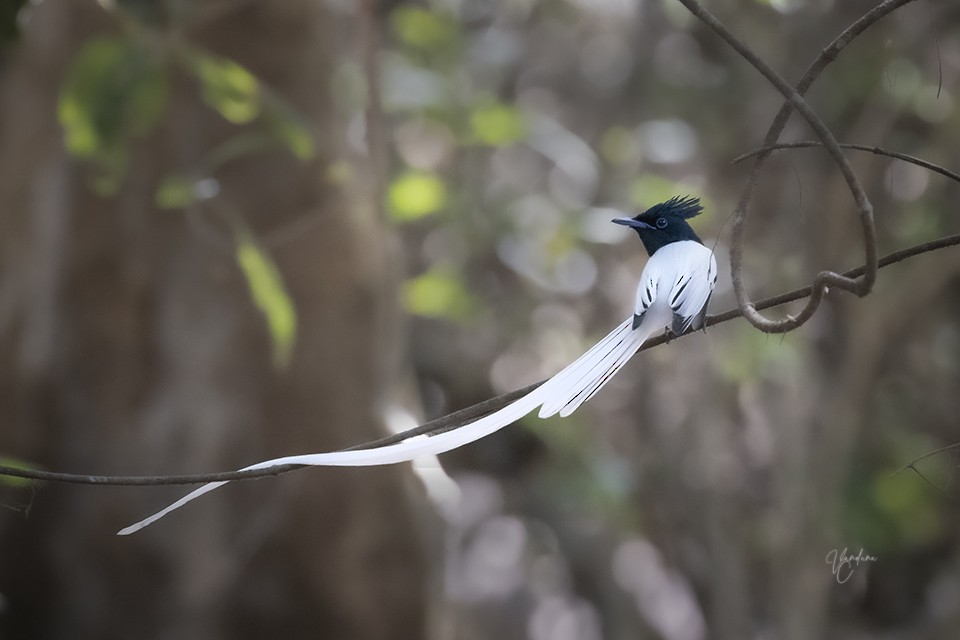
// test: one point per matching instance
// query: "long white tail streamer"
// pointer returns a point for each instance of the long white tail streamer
(562, 394)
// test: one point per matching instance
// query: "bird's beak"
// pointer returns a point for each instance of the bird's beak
(630, 222)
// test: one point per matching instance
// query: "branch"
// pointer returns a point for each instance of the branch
(824, 279)
(913, 463)
(880, 151)
(457, 418)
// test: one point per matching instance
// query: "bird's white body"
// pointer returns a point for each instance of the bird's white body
(678, 279)
(674, 289)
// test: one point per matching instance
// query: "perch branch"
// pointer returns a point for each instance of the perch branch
(857, 280)
(457, 418)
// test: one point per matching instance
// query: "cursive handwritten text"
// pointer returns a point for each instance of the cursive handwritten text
(842, 564)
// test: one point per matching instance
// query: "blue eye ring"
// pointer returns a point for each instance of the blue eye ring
(661, 223)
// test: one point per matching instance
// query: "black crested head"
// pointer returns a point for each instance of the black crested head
(665, 223)
(680, 206)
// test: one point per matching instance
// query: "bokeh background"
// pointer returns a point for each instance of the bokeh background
(238, 229)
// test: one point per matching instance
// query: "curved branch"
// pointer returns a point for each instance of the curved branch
(457, 418)
(880, 151)
(827, 56)
(824, 279)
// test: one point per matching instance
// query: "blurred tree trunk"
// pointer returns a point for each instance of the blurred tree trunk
(130, 344)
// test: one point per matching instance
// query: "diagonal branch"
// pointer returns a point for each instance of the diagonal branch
(457, 418)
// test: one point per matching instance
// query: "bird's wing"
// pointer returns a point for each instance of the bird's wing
(692, 286)
(690, 291)
(646, 290)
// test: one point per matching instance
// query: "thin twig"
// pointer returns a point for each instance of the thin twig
(943, 493)
(457, 418)
(912, 464)
(880, 151)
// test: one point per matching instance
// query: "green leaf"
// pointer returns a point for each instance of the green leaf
(497, 125)
(113, 90)
(227, 87)
(423, 30)
(289, 127)
(16, 463)
(416, 194)
(174, 192)
(437, 294)
(269, 295)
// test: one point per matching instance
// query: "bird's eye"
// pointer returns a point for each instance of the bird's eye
(661, 223)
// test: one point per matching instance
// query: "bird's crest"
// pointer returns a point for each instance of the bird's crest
(681, 206)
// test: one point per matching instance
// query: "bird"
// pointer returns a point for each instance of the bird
(672, 297)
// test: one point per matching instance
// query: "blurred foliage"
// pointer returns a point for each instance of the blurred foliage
(16, 463)
(175, 192)
(496, 124)
(438, 294)
(890, 515)
(423, 31)
(413, 195)
(227, 87)
(530, 125)
(288, 126)
(269, 294)
(10, 14)
(516, 131)
(116, 90)
(746, 354)
(649, 189)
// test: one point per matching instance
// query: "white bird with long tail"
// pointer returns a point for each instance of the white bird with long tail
(673, 295)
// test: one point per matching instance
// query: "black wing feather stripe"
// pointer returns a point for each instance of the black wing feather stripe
(678, 291)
